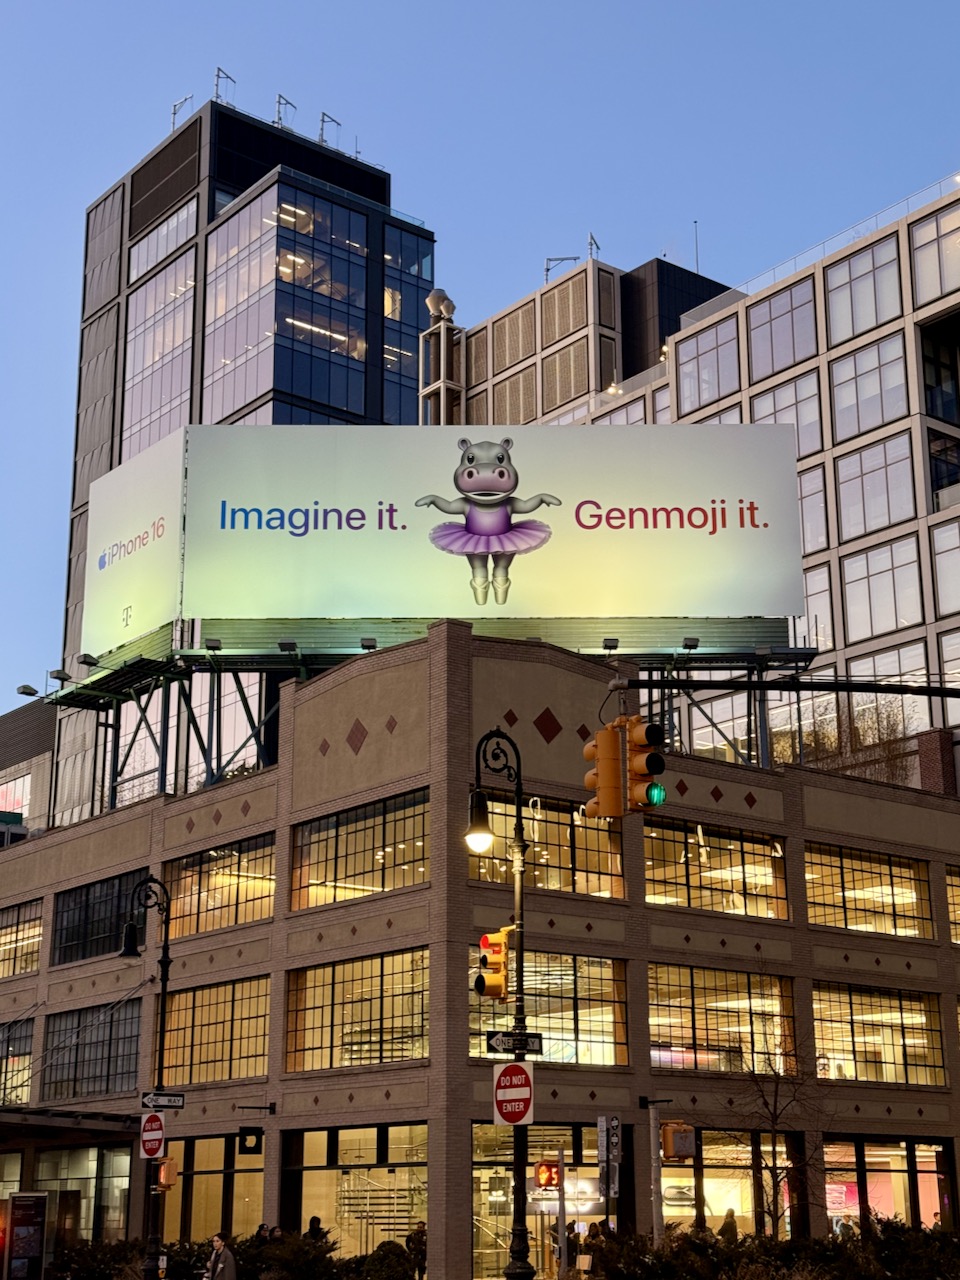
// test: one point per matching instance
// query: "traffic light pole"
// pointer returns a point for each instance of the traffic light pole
(498, 753)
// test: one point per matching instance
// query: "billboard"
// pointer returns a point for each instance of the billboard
(134, 546)
(525, 522)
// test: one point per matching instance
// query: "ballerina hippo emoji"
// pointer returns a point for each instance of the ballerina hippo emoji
(486, 479)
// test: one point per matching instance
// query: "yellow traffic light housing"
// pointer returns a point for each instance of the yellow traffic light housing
(644, 764)
(493, 980)
(605, 778)
(166, 1173)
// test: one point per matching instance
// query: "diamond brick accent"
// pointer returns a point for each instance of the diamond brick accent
(758, 946)
(717, 795)
(682, 788)
(349, 1097)
(750, 799)
(729, 1102)
(389, 924)
(876, 959)
(846, 957)
(686, 938)
(554, 1095)
(889, 1111)
(856, 1107)
(547, 725)
(583, 733)
(324, 747)
(391, 724)
(316, 1099)
(217, 815)
(386, 1094)
(356, 737)
(353, 930)
(510, 718)
(589, 927)
(723, 942)
(190, 824)
(693, 1099)
(909, 964)
(919, 1111)
(245, 808)
(592, 1096)
(551, 923)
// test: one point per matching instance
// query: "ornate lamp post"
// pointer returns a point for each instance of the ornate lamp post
(498, 753)
(148, 894)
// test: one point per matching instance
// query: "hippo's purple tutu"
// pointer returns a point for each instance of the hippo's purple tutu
(525, 535)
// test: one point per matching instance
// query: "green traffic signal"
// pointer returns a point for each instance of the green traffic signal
(656, 794)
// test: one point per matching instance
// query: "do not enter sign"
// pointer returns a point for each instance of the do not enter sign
(151, 1135)
(513, 1093)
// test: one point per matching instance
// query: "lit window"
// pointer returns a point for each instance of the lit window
(710, 868)
(870, 892)
(888, 1036)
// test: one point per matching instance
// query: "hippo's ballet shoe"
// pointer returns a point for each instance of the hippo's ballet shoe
(481, 588)
(501, 588)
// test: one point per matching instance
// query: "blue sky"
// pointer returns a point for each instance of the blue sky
(513, 129)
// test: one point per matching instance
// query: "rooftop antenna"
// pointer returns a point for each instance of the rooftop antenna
(221, 75)
(592, 247)
(176, 109)
(356, 147)
(326, 119)
(281, 103)
(696, 246)
(550, 263)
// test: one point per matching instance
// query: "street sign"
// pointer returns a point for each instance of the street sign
(513, 1093)
(602, 1140)
(514, 1042)
(614, 1140)
(163, 1101)
(151, 1135)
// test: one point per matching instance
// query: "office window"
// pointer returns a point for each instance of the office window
(710, 868)
(803, 726)
(863, 291)
(936, 254)
(16, 1062)
(815, 629)
(372, 849)
(89, 921)
(867, 1034)
(718, 1020)
(20, 934)
(950, 658)
(359, 1012)
(875, 487)
(408, 278)
(708, 365)
(868, 388)
(163, 240)
(733, 414)
(15, 795)
(635, 411)
(89, 1051)
(217, 888)
(813, 510)
(881, 589)
(870, 892)
(953, 902)
(159, 351)
(797, 402)
(577, 1003)
(783, 330)
(718, 726)
(661, 405)
(568, 851)
(218, 1032)
(889, 717)
(946, 560)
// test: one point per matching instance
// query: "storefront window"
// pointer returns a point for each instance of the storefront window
(886, 1178)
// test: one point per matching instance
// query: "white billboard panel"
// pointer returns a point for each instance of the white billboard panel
(532, 521)
(134, 545)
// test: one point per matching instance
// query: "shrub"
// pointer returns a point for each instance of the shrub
(389, 1261)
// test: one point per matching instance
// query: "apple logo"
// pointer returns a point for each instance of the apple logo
(102, 562)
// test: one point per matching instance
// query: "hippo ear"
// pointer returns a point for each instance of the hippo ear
(506, 443)
(463, 444)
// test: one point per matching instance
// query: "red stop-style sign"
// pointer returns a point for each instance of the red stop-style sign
(151, 1135)
(513, 1093)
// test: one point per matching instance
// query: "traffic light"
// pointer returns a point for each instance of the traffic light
(166, 1173)
(604, 778)
(546, 1174)
(644, 763)
(493, 978)
(677, 1140)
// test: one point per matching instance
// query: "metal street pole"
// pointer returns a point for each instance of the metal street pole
(151, 893)
(494, 754)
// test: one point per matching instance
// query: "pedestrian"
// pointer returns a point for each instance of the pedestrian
(222, 1265)
(593, 1248)
(845, 1230)
(314, 1231)
(261, 1236)
(276, 1235)
(937, 1224)
(572, 1244)
(728, 1232)
(417, 1248)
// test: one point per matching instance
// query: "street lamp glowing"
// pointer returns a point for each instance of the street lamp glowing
(478, 835)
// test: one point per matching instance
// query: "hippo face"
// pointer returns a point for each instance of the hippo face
(486, 473)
